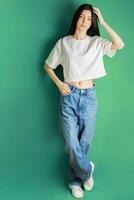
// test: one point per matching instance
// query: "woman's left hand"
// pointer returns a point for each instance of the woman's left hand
(99, 15)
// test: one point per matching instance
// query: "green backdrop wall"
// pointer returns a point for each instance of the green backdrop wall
(33, 164)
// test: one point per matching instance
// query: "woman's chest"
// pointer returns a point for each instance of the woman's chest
(78, 52)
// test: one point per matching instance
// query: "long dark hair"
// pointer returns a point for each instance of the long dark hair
(94, 29)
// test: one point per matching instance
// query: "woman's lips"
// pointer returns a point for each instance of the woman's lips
(83, 25)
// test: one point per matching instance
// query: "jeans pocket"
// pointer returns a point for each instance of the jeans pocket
(66, 95)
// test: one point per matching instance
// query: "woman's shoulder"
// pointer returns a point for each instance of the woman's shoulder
(61, 39)
(64, 38)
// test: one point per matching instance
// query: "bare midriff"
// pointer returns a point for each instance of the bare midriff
(82, 84)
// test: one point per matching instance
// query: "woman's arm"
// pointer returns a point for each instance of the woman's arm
(117, 42)
(63, 87)
(52, 75)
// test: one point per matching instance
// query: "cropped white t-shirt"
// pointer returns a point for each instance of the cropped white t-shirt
(80, 59)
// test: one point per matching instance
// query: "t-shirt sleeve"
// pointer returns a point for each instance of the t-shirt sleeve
(55, 57)
(105, 46)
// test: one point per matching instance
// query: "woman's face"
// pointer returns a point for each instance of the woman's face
(84, 21)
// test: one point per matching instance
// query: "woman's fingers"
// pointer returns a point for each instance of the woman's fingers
(96, 10)
(67, 89)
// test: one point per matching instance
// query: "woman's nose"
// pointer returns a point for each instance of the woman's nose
(84, 21)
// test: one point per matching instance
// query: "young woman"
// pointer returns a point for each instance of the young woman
(81, 55)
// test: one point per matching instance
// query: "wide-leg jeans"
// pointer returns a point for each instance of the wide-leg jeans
(77, 119)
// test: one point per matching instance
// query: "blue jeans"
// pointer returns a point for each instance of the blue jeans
(77, 118)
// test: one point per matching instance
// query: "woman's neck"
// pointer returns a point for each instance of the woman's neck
(79, 35)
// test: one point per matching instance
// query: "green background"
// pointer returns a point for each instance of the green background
(33, 164)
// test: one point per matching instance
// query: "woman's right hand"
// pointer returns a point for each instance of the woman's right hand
(64, 88)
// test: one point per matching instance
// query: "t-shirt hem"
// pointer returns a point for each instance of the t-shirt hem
(88, 78)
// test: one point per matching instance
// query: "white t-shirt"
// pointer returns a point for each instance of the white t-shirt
(80, 59)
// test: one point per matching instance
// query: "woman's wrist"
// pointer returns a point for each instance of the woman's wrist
(58, 83)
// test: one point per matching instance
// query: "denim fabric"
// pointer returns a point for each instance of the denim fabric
(77, 118)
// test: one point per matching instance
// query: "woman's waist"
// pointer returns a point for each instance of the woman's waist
(82, 84)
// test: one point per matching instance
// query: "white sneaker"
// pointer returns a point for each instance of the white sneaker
(77, 191)
(88, 185)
